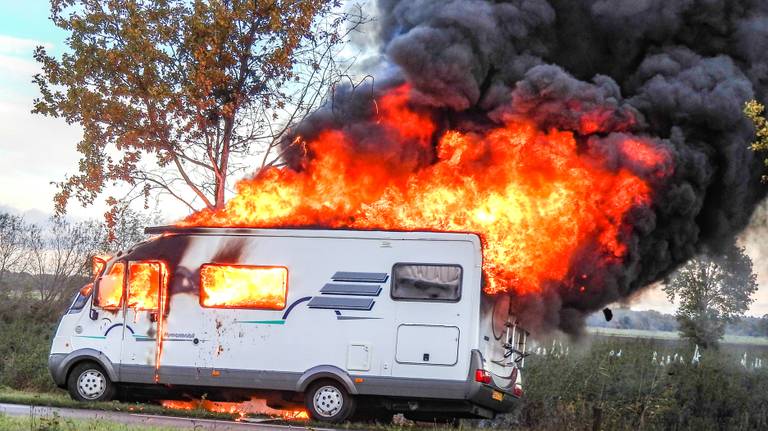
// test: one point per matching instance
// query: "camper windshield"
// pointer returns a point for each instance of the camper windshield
(426, 282)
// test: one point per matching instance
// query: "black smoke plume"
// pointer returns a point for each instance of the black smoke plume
(678, 71)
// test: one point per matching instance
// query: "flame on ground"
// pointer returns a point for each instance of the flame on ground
(536, 198)
(255, 406)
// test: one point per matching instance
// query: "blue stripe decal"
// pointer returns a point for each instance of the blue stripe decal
(351, 289)
(263, 322)
(295, 303)
(95, 337)
(117, 325)
(365, 277)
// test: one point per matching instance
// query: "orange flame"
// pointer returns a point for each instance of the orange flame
(242, 286)
(255, 406)
(144, 284)
(536, 198)
(110, 288)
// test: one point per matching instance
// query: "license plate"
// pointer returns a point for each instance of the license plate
(498, 396)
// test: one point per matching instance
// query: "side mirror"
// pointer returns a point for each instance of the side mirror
(94, 315)
(98, 263)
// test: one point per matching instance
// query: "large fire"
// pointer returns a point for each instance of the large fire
(536, 198)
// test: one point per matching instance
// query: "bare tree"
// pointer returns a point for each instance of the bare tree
(60, 257)
(14, 236)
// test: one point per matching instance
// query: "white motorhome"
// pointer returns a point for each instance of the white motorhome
(343, 322)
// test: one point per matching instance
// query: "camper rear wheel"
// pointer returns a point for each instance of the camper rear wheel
(89, 382)
(329, 401)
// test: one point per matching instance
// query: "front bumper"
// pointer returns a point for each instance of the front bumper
(57, 369)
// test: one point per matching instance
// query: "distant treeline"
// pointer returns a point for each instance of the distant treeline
(652, 320)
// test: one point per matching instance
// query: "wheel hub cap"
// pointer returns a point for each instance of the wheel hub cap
(328, 401)
(91, 384)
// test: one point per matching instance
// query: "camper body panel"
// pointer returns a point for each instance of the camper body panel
(339, 320)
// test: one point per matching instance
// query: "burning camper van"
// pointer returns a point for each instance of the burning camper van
(341, 322)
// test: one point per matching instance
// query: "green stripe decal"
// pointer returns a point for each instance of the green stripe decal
(95, 337)
(263, 322)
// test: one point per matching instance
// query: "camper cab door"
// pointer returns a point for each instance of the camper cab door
(142, 313)
(105, 333)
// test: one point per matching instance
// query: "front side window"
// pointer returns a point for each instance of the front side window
(109, 293)
(426, 282)
(144, 280)
(241, 286)
(81, 298)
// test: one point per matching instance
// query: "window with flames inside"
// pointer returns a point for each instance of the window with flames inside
(144, 281)
(243, 286)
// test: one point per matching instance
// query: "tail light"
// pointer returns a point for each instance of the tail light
(483, 376)
(517, 391)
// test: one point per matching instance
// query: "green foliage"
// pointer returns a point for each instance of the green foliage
(754, 110)
(57, 423)
(26, 329)
(592, 389)
(712, 290)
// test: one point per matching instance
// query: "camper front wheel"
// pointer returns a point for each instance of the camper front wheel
(89, 382)
(328, 401)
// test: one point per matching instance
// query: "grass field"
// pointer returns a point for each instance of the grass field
(668, 335)
(8, 423)
(60, 398)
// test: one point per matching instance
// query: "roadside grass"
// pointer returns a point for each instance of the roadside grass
(56, 423)
(60, 399)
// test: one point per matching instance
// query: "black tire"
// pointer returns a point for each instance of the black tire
(88, 382)
(328, 401)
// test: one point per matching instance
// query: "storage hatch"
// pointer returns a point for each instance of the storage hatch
(427, 344)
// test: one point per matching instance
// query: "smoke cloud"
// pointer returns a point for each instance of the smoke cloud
(673, 71)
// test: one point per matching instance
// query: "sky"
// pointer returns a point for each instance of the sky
(36, 150)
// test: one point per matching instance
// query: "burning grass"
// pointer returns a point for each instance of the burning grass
(241, 410)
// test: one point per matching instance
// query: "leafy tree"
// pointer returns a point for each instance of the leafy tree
(192, 86)
(713, 290)
(754, 110)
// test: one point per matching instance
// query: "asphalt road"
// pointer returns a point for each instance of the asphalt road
(142, 419)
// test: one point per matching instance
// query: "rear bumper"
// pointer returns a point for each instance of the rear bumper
(490, 396)
(457, 398)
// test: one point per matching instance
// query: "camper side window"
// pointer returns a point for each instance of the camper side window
(109, 290)
(243, 286)
(426, 282)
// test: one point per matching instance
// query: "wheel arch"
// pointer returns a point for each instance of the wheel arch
(61, 375)
(326, 372)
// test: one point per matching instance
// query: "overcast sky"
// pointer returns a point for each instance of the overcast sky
(36, 150)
